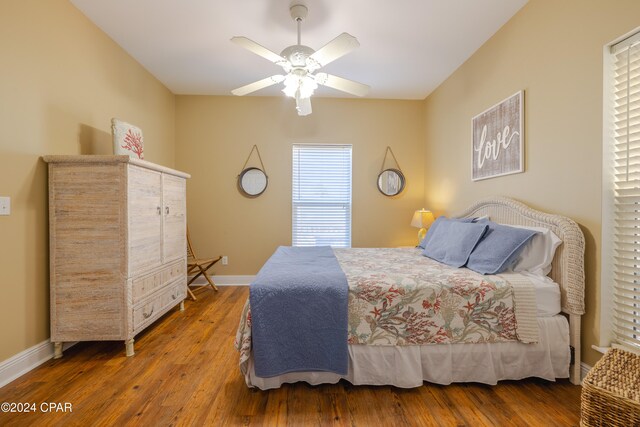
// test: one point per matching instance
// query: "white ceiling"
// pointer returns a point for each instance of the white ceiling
(407, 47)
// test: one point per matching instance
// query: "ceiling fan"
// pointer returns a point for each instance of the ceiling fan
(301, 63)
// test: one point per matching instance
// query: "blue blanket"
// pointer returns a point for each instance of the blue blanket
(299, 313)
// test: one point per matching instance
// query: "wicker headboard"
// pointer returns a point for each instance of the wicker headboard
(568, 262)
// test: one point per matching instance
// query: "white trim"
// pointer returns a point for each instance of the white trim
(23, 362)
(607, 253)
(602, 350)
(296, 148)
(626, 348)
(584, 370)
(226, 280)
(627, 40)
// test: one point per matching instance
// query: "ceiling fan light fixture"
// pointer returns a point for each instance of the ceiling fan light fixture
(299, 86)
(303, 106)
(291, 84)
(307, 87)
(300, 64)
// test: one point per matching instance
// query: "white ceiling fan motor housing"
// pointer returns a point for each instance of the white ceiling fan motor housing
(297, 54)
(298, 12)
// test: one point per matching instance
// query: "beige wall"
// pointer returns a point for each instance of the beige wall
(553, 50)
(215, 135)
(61, 81)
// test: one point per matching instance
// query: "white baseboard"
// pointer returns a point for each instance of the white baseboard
(26, 360)
(226, 280)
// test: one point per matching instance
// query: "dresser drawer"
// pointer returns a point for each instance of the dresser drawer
(145, 285)
(158, 304)
(175, 270)
(176, 293)
(147, 311)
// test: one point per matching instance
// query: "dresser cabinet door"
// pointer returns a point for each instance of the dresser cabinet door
(174, 196)
(145, 219)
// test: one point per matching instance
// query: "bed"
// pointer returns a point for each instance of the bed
(545, 342)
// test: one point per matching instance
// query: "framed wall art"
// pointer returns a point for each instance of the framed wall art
(498, 139)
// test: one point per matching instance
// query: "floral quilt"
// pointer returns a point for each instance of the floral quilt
(399, 297)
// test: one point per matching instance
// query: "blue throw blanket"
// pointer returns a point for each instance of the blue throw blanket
(299, 313)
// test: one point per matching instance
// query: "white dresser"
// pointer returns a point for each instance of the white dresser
(117, 236)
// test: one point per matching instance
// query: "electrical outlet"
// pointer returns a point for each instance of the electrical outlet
(225, 260)
(5, 205)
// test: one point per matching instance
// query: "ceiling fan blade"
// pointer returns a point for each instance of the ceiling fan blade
(258, 49)
(303, 105)
(349, 86)
(260, 84)
(333, 50)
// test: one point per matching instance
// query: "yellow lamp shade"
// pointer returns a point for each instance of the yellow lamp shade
(422, 219)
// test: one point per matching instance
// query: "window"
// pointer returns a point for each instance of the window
(321, 195)
(624, 170)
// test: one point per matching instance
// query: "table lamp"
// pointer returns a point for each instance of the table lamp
(422, 219)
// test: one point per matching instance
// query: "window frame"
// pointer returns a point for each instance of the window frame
(607, 336)
(349, 202)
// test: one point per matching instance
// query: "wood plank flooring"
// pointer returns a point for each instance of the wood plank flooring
(185, 372)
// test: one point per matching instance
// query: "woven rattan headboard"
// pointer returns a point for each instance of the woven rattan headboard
(568, 262)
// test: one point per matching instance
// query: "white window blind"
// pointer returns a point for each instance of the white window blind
(626, 158)
(321, 195)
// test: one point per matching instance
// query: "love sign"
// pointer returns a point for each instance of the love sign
(498, 139)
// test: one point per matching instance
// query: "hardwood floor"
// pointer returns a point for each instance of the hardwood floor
(185, 372)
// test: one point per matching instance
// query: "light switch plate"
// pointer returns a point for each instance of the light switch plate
(5, 205)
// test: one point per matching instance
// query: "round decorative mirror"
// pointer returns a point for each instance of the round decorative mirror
(391, 182)
(252, 181)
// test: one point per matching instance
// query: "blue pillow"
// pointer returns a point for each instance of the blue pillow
(453, 241)
(435, 225)
(499, 248)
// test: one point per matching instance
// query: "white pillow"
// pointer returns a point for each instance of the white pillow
(538, 254)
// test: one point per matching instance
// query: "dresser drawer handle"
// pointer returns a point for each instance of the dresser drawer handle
(145, 315)
(159, 210)
(166, 210)
(173, 296)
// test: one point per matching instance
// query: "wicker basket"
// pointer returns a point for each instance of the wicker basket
(611, 391)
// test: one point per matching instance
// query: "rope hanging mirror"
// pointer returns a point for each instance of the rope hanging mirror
(391, 181)
(253, 181)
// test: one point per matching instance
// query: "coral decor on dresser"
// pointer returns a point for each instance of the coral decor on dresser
(127, 139)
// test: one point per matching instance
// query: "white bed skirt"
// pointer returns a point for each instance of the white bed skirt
(409, 366)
